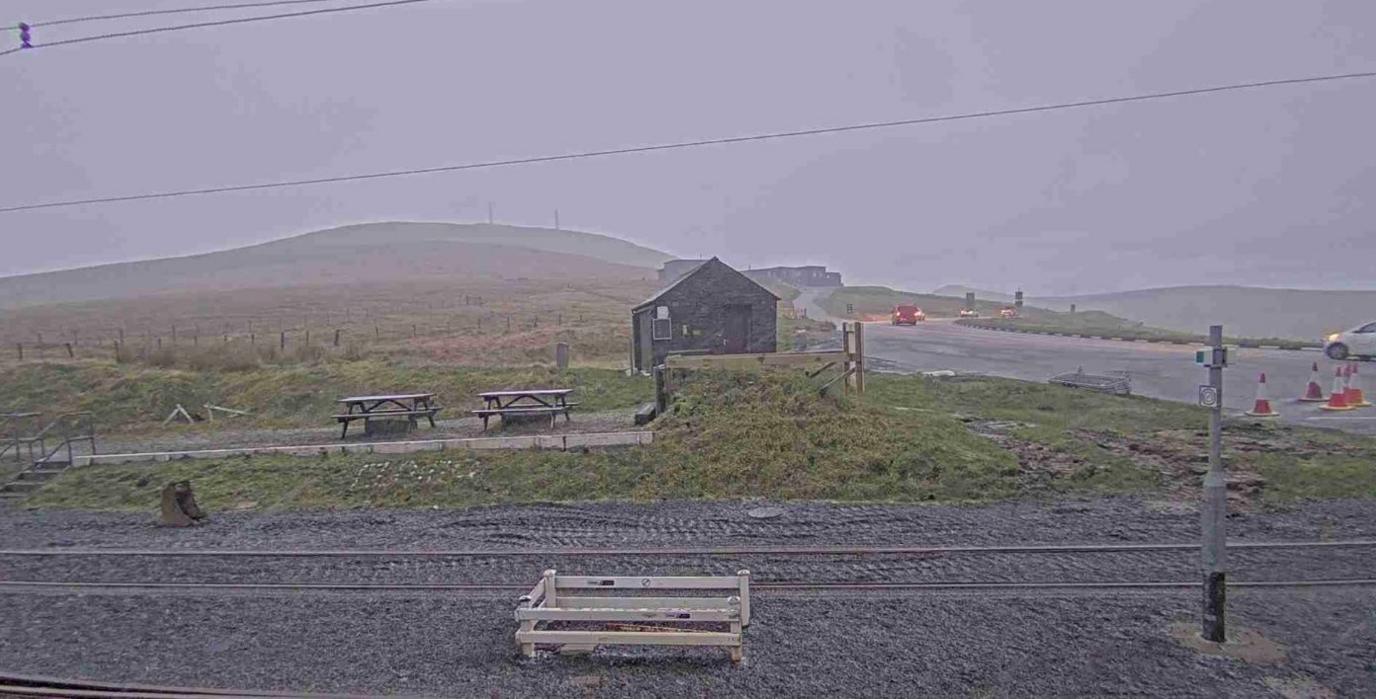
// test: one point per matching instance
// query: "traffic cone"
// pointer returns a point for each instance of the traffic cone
(1354, 388)
(1337, 400)
(1313, 393)
(1262, 406)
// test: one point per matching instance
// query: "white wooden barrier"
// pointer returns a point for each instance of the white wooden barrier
(548, 602)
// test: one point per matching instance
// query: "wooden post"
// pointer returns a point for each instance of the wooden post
(413, 330)
(283, 341)
(20, 346)
(551, 599)
(160, 342)
(377, 332)
(71, 354)
(174, 333)
(561, 355)
(661, 375)
(860, 358)
(121, 335)
(508, 323)
(336, 337)
(252, 339)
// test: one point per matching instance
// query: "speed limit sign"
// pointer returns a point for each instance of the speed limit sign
(1208, 396)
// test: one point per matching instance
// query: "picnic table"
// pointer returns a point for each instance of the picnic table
(402, 405)
(525, 401)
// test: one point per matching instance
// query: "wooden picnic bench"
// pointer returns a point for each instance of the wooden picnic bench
(518, 402)
(411, 406)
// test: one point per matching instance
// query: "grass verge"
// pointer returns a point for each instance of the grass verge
(136, 397)
(909, 439)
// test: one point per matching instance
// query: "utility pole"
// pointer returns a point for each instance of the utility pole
(489, 213)
(1215, 505)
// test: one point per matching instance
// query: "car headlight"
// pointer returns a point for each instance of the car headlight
(1334, 337)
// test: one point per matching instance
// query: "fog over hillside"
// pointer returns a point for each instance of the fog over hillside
(1249, 311)
(376, 252)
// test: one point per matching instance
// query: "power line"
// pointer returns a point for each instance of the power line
(218, 23)
(693, 144)
(149, 13)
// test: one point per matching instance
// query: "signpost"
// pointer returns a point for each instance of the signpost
(1215, 505)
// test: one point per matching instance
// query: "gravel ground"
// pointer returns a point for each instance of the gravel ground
(689, 524)
(204, 436)
(799, 644)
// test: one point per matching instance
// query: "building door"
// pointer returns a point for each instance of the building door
(646, 359)
(736, 330)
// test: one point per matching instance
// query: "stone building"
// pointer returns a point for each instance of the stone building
(806, 275)
(673, 270)
(712, 309)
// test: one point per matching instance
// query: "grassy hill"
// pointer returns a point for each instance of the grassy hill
(364, 253)
(1250, 311)
(1244, 311)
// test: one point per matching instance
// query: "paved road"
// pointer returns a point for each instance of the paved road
(1159, 371)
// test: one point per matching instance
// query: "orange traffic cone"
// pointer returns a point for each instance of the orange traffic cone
(1337, 400)
(1354, 388)
(1313, 393)
(1262, 406)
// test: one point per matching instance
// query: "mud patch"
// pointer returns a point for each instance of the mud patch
(1246, 645)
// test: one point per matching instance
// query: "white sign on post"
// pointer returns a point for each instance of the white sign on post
(1208, 396)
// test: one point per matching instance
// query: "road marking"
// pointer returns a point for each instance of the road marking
(1341, 417)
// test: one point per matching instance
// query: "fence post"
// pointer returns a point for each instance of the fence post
(661, 390)
(561, 355)
(20, 347)
(336, 337)
(283, 341)
(71, 354)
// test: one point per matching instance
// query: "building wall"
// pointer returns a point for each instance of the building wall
(808, 275)
(673, 269)
(698, 312)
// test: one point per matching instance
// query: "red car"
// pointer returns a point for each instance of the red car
(908, 315)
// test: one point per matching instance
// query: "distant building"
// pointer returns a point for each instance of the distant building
(710, 309)
(807, 275)
(674, 269)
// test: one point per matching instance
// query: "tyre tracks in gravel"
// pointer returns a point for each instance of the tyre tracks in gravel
(518, 569)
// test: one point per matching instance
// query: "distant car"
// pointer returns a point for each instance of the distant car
(1357, 342)
(908, 315)
(968, 313)
(1008, 313)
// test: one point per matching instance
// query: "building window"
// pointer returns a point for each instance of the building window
(661, 328)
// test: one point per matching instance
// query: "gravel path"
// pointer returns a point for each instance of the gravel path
(800, 644)
(690, 524)
(218, 436)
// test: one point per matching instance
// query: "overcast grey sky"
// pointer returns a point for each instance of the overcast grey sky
(1269, 187)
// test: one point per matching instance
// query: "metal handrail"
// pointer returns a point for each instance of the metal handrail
(65, 424)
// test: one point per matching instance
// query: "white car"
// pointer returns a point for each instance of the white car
(1357, 342)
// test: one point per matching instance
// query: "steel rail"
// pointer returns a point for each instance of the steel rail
(720, 551)
(781, 586)
(14, 684)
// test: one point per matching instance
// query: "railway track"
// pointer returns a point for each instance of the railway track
(1262, 564)
(17, 685)
(719, 551)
